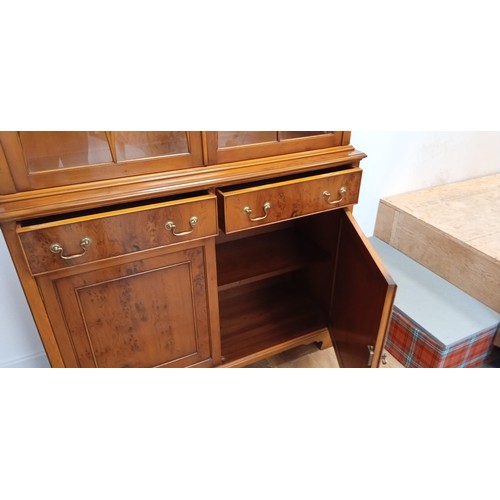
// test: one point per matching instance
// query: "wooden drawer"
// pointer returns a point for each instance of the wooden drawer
(55, 243)
(244, 207)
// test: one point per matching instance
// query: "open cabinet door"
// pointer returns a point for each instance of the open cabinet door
(362, 299)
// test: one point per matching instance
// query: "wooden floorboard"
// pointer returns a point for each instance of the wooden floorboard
(309, 356)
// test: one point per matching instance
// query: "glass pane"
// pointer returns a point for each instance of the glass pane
(232, 139)
(283, 136)
(54, 150)
(133, 145)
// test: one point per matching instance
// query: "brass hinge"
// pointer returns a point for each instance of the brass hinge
(371, 352)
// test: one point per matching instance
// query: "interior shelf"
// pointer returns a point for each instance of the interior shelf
(256, 258)
(258, 317)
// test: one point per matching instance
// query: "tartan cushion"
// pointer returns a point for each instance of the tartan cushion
(414, 347)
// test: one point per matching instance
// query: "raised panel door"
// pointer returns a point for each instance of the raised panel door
(363, 295)
(151, 312)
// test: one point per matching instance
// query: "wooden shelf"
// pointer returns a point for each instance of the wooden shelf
(265, 318)
(261, 257)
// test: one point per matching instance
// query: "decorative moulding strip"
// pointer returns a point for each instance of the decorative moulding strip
(51, 201)
(37, 360)
(7, 185)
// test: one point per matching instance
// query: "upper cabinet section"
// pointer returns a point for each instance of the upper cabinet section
(37, 160)
(49, 159)
(225, 147)
(90, 166)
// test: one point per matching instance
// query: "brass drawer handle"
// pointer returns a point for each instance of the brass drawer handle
(171, 226)
(57, 248)
(248, 211)
(342, 192)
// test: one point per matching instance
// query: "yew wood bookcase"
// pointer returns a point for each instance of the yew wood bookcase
(180, 249)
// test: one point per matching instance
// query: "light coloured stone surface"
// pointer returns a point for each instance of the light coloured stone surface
(468, 211)
(453, 230)
(489, 244)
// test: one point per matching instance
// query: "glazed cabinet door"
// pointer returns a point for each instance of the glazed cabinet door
(225, 147)
(158, 311)
(49, 159)
(363, 295)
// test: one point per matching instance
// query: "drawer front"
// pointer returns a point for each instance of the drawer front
(71, 241)
(279, 201)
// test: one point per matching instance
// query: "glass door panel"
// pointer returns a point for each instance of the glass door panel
(58, 150)
(233, 139)
(134, 145)
(284, 136)
(49, 159)
(236, 146)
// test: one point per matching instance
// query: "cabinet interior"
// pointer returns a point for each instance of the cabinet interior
(275, 283)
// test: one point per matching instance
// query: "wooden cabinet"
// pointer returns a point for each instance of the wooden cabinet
(220, 266)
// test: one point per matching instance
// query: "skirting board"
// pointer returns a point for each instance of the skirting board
(37, 360)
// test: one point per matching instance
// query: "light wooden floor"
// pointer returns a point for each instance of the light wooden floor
(309, 356)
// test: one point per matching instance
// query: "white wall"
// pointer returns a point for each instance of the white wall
(20, 343)
(397, 162)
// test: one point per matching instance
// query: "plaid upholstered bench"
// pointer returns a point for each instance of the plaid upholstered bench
(434, 324)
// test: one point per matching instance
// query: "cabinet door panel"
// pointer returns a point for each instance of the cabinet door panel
(225, 147)
(44, 151)
(362, 301)
(133, 145)
(147, 313)
(50, 159)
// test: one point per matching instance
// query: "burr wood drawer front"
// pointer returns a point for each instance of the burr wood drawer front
(55, 243)
(245, 207)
